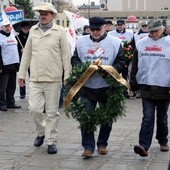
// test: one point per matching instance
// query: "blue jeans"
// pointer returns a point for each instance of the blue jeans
(148, 120)
(88, 139)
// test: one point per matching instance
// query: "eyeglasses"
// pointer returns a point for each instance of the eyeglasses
(96, 29)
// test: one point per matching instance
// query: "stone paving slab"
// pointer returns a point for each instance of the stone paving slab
(17, 134)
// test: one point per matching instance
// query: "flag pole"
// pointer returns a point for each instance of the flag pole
(19, 41)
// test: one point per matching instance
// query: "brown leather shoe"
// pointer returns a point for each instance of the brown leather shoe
(102, 150)
(87, 154)
(140, 150)
(164, 148)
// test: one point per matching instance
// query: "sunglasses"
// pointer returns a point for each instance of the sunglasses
(96, 29)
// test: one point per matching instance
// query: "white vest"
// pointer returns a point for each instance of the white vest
(9, 50)
(154, 61)
(126, 36)
(137, 36)
(86, 51)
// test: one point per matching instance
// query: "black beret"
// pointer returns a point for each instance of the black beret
(109, 22)
(120, 22)
(96, 22)
(24, 23)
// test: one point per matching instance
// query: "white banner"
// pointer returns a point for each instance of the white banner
(76, 20)
(71, 34)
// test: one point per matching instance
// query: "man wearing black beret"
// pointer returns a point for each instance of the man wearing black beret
(97, 45)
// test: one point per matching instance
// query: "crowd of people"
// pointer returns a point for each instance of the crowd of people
(43, 50)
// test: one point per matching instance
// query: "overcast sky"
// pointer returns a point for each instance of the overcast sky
(80, 2)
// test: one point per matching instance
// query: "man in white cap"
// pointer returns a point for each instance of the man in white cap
(150, 71)
(9, 65)
(47, 53)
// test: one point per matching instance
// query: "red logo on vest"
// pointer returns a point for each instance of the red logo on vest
(122, 37)
(154, 48)
(90, 51)
(10, 41)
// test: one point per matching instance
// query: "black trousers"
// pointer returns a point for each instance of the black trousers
(7, 88)
(23, 89)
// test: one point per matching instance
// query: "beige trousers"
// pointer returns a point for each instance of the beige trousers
(45, 95)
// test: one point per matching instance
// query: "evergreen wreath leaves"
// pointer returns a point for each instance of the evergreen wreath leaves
(108, 113)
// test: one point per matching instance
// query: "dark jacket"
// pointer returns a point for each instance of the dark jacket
(7, 68)
(147, 91)
(22, 37)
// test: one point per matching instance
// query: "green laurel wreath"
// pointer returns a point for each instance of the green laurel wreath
(108, 113)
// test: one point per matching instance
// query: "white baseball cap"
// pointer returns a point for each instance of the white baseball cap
(5, 22)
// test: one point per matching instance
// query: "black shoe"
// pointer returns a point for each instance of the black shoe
(60, 106)
(22, 97)
(140, 150)
(39, 141)
(164, 148)
(52, 149)
(3, 108)
(14, 107)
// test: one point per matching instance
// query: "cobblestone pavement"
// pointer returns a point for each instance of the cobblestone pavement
(17, 134)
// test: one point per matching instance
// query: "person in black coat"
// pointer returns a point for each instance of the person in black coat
(22, 38)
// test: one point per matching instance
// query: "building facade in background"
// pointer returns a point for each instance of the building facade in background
(140, 5)
(111, 9)
(3, 4)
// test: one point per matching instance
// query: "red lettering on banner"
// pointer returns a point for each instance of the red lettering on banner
(71, 32)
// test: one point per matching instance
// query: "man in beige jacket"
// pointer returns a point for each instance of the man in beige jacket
(47, 54)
